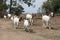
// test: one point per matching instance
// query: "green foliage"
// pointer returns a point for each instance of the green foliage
(1, 5)
(52, 5)
(5, 6)
(18, 10)
(0, 8)
(28, 2)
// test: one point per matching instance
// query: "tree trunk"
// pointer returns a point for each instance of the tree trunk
(10, 6)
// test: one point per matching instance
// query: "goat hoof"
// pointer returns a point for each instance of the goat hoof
(52, 28)
(27, 30)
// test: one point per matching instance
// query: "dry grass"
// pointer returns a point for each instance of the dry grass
(8, 32)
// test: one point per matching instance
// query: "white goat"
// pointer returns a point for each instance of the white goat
(5, 16)
(52, 14)
(12, 18)
(46, 20)
(15, 20)
(9, 15)
(29, 17)
(26, 25)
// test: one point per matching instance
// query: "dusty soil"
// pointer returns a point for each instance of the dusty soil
(8, 32)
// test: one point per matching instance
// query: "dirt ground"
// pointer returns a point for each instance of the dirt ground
(8, 32)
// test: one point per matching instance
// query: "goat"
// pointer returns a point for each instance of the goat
(12, 18)
(15, 20)
(26, 24)
(46, 20)
(52, 14)
(5, 16)
(29, 17)
(9, 15)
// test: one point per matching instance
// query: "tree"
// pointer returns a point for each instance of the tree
(48, 5)
(18, 9)
(10, 6)
(28, 2)
(3, 7)
(15, 8)
(52, 5)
